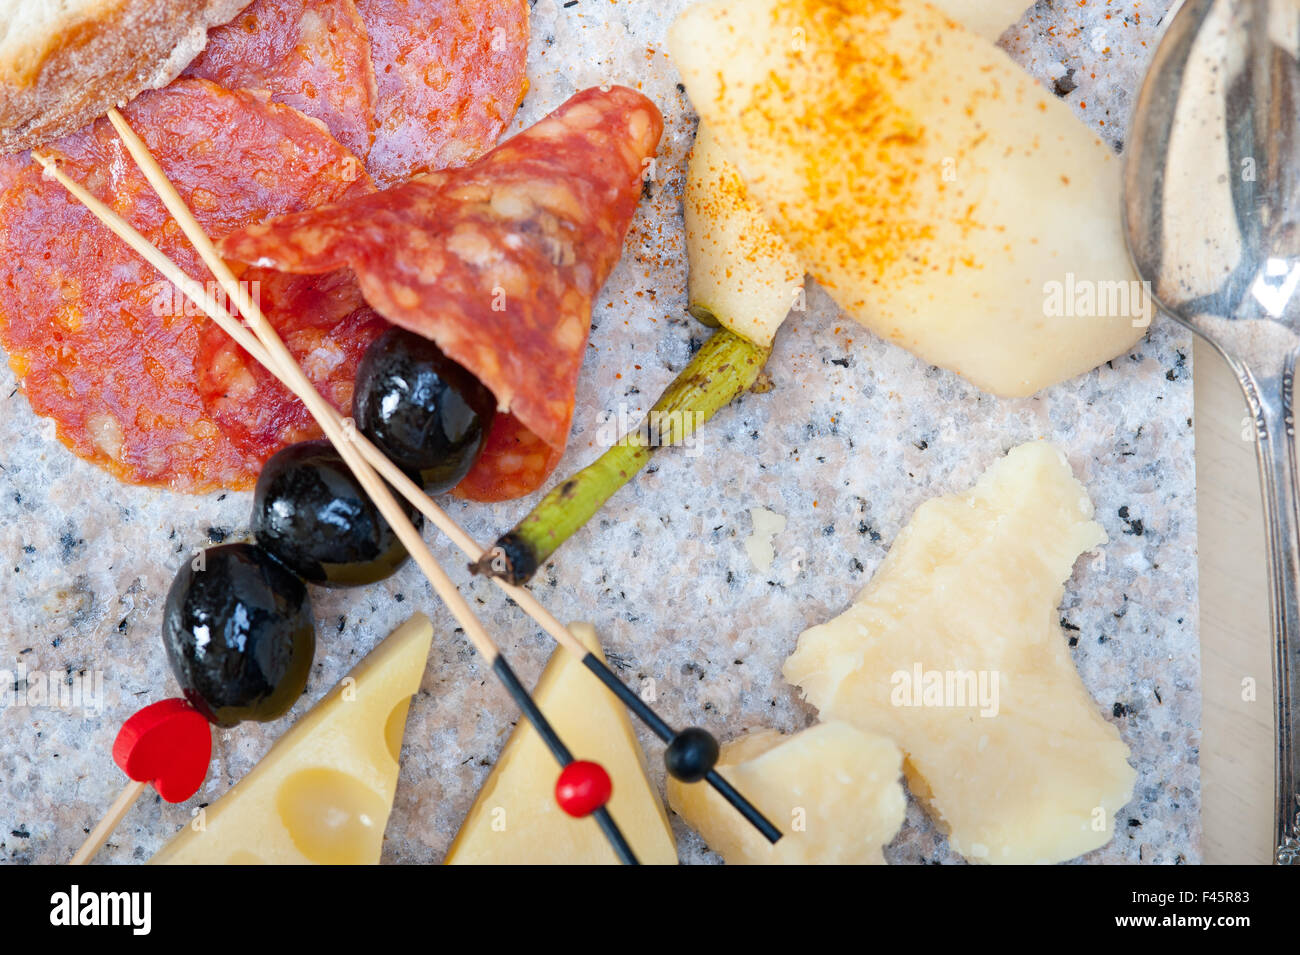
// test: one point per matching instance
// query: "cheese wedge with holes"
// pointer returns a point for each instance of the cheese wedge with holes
(324, 791)
(515, 819)
(938, 193)
(955, 650)
(833, 790)
(742, 273)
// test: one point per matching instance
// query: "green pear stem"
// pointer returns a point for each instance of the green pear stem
(724, 368)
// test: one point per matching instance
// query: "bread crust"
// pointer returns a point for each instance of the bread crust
(104, 55)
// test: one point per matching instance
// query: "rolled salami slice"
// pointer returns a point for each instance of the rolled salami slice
(498, 263)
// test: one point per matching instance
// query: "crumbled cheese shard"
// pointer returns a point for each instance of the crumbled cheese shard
(758, 545)
(955, 650)
(833, 791)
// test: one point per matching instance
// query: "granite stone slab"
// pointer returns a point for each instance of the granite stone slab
(855, 434)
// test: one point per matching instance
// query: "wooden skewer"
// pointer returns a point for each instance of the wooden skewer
(291, 376)
(265, 345)
(116, 813)
(203, 299)
(283, 365)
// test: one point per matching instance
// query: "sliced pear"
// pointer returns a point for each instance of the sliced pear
(942, 197)
(833, 791)
(324, 792)
(742, 273)
(515, 820)
(954, 650)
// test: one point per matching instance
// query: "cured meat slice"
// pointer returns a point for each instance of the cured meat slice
(498, 262)
(101, 344)
(451, 75)
(326, 325)
(514, 463)
(313, 55)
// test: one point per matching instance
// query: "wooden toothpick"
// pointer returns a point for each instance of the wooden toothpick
(270, 350)
(262, 343)
(112, 819)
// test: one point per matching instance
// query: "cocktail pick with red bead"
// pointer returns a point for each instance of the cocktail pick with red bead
(583, 787)
(167, 744)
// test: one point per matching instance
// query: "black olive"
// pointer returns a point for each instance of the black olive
(239, 634)
(312, 514)
(429, 415)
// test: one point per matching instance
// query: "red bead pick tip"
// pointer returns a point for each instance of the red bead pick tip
(169, 744)
(583, 788)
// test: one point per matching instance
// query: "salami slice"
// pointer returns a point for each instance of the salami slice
(326, 325)
(451, 75)
(498, 262)
(111, 352)
(313, 55)
(514, 463)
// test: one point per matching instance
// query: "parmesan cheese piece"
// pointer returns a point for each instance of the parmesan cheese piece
(515, 820)
(943, 198)
(324, 791)
(742, 273)
(833, 791)
(954, 651)
(758, 545)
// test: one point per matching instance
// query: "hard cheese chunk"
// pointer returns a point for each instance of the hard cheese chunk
(941, 196)
(954, 650)
(324, 791)
(515, 820)
(833, 791)
(742, 273)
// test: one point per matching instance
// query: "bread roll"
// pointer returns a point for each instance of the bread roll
(65, 62)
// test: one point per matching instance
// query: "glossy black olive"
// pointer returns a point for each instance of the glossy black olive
(239, 635)
(312, 514)
(427, 413)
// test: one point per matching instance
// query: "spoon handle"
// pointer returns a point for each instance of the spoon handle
(1270, 400)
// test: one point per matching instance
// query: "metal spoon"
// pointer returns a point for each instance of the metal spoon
(1212, 213)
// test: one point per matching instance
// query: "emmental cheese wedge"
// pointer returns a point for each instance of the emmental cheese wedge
(324, 791)
(515, 819)
(833, 790)
(941, 196)
(954, 650)
(742, 273)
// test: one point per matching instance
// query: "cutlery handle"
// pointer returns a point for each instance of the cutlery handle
(1270, 402)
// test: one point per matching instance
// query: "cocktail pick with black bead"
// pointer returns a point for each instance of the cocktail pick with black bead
(270, 350)
(396, 478)
(692, 753)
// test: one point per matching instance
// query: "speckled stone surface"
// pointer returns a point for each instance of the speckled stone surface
(855, 435)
